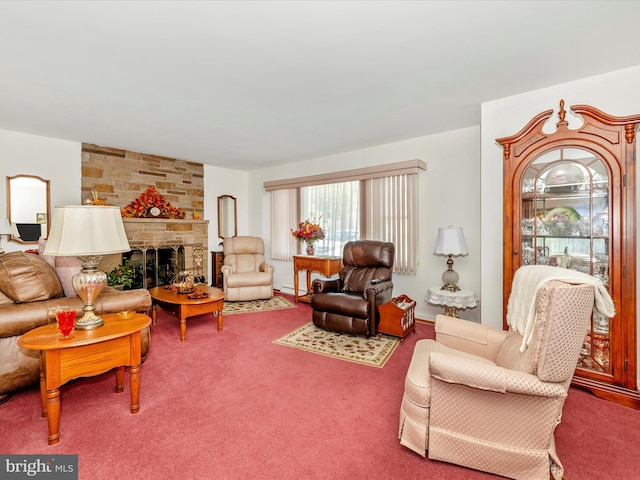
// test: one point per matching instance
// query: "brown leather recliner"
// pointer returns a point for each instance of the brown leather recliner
(28, 287)
(349, 303)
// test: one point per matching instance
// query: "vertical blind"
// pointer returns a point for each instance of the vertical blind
(391, 215)
(284, 217)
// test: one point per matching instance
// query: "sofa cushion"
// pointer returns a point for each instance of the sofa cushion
(66, 268)
(50, 259)
(4, 300)
(28, 278)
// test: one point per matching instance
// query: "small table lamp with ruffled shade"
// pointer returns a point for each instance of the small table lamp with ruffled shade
(87, 232)
(450, 242)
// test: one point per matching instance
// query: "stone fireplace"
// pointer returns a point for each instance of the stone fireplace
(119, 176)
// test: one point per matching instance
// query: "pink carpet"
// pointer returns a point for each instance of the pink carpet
(234, 405)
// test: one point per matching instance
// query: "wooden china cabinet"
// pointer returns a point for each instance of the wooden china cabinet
(570, 201)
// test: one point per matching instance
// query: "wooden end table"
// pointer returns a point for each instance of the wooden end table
(181, 305)
(116, 344)
(327, 266)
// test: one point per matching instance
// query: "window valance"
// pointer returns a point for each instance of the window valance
(377, 171)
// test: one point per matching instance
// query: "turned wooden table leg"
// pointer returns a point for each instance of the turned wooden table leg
(119, 379)
(154, 313)
(43, 385)
(183, 329)
(219, 314)
(309, 283)
(53, 415)
(134, 385)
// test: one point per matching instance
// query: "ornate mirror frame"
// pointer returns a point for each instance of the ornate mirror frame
(227, 216)
(28, 204)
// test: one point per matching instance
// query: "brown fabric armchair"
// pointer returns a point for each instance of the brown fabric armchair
(349, 303)
(245, 275)
(480, 397)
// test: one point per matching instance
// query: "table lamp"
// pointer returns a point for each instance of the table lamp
(450, 242)
(5, 229)
(87, 232)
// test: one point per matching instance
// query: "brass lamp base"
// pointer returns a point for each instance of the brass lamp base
(89, 321)
(88, 284)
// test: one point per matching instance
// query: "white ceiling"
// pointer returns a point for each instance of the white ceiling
(249, 84)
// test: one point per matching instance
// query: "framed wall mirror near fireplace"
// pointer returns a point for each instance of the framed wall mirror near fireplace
(28, 207)
(227, 217)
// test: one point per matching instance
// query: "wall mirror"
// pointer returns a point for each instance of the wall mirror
(28, 207)
(227, 217)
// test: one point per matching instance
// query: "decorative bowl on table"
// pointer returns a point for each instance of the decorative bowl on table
(126, 315)
(197, 294)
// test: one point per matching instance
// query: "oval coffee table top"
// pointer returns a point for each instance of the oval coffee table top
(163, 294)
(48, 337)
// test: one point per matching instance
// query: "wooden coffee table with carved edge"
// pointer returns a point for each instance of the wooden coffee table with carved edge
(116, 344)
(183, 307)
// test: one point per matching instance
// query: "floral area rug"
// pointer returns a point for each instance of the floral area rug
(252, 306)
(373, 351)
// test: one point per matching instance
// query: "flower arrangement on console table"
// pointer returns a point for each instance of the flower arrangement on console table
(151, 204)
(309, 231)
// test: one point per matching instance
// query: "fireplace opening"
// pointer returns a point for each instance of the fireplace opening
(154, 267)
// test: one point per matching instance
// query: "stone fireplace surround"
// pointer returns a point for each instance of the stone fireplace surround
(119, 176)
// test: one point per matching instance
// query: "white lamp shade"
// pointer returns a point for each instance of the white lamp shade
(450, 241)
(81, 230)
(5, 227)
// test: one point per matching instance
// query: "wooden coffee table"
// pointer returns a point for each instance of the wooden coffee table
(116, 344)
(181, 305)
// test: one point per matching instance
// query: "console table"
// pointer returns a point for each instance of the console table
(327, 266)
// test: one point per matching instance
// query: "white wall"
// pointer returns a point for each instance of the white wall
(56, 160)
(615, 93)
(223, 181)
(449, 193)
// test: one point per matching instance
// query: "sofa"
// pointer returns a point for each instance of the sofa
(29, 286)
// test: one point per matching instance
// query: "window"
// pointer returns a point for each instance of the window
(335, 206)
(377, 203)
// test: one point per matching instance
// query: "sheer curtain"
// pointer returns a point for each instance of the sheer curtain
(336, 207)
(284, 218)
(392, 216)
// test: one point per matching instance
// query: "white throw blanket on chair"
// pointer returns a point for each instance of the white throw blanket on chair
(526, 282)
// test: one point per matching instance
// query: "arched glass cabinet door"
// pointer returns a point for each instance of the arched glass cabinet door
(570, 201)
(565, 207)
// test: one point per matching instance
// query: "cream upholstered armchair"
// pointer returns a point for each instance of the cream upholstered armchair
(245, 275)
(491, 399)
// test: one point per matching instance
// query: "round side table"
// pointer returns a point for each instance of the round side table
(451, 301)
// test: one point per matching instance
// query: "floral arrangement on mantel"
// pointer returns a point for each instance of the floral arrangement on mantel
(309, 231)
(151, 204)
